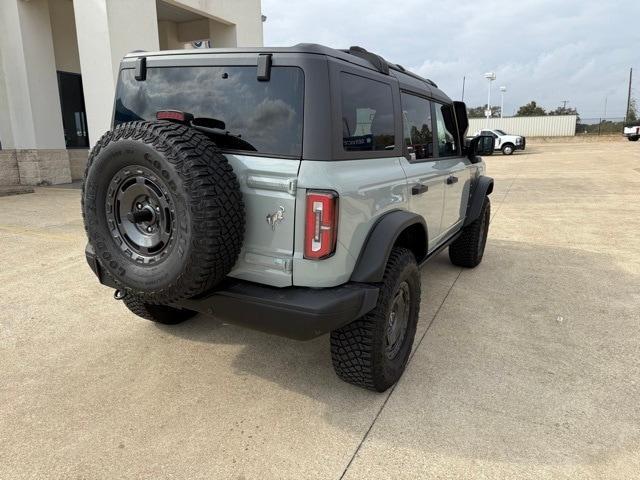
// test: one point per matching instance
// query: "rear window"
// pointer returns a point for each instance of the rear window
(261, 117)
(367, 114)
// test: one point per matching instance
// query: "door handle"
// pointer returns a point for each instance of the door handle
(419, 189)
(451, 180)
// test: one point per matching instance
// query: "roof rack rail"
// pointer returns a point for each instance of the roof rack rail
(400, 68)
(382, 65)
(377, 61)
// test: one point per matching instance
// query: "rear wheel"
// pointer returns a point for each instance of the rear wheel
(372, 352)
(157, 313)
(633, 139)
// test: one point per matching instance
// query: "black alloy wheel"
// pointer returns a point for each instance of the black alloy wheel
(140, 213)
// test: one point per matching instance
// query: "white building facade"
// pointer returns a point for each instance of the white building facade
(59, 63)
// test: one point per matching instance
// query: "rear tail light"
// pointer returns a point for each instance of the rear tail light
(321, 228)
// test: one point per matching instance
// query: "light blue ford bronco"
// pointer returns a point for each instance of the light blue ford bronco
(293, 190)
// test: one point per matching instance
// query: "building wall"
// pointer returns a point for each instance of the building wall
(90, 37)
(108, 30)
(545, 126)
(6, 131)
(168, 35)
(30, 75)
(9, 173)
(245, 15)
(65, 40)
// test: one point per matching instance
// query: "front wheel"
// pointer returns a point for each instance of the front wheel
(507, 149)
(372, 352)
(468, 249)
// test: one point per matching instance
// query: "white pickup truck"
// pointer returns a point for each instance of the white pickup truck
(503, 141)
(632, 131)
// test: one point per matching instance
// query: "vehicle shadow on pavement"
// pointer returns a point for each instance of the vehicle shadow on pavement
(531, 359)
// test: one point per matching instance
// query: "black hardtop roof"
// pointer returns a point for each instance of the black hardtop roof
(355, 55)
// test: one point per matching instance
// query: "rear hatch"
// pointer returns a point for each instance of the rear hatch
(261, 137)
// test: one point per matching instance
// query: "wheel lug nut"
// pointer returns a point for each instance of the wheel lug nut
(139, 206)
(158, 209)
(149, 229)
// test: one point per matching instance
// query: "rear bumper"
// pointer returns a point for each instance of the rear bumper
(301, 313)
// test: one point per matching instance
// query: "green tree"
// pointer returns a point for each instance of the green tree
(478, 112)
(563, 111)
(632, 114)
(566, 111)
(531, 109)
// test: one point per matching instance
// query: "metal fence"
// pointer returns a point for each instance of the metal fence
(600, 126)
(544, 126)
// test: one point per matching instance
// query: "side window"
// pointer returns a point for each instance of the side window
(367, 114)
(417, 127)
(446, 131)
(489, 133)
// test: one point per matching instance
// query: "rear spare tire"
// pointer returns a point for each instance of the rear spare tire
(163, 210)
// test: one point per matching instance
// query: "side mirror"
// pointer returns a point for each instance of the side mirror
(481, 145)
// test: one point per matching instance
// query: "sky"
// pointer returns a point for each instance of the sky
(547, 51)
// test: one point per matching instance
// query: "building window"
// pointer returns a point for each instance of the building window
(74, 116)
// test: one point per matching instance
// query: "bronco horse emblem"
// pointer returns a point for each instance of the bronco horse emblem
(275, 218)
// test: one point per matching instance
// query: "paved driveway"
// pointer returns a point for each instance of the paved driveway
(526, 367)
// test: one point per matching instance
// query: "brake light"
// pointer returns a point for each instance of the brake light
(174, 115)
(321, 228)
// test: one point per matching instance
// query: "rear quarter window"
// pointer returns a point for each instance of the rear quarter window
(261, 117)
(367, 114)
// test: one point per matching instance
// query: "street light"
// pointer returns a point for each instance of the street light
(502, 90)
(491, 76)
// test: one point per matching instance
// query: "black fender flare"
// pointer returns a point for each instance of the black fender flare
(383, 236)
(483, 187)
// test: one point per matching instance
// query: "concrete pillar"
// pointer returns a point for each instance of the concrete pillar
(31, 93)
(107, 30)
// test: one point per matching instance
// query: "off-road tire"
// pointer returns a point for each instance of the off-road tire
(468, 249)
(358, 350)
(157, 313)
(507, 149)
(206, 212)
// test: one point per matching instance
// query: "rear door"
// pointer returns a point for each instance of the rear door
(425, 176)
(261, 138)
(456, 168)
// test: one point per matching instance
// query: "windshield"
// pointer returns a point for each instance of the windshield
(501, 132)
(266, 116)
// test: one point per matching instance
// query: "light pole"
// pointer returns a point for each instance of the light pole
(502, 90)
(490, 76)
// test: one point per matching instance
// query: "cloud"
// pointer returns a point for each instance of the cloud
(543, 50)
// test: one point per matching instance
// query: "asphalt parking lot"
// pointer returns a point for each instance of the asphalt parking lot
(525, 367)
